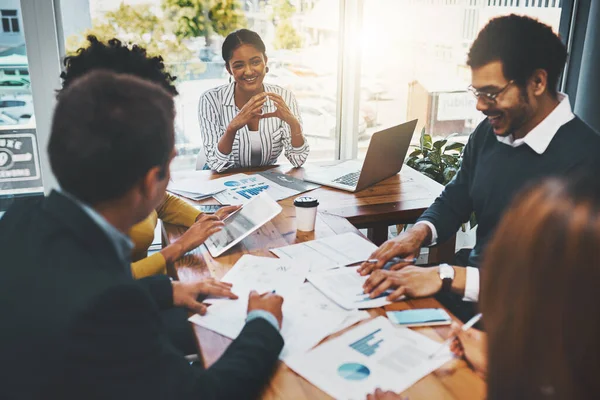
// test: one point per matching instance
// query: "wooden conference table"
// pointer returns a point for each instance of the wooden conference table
(339, 212)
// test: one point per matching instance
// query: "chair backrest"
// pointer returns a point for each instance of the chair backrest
(201, 160)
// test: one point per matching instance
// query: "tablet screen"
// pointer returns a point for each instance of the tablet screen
(249, 218)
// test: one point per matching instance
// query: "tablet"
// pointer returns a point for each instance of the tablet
(254, 214)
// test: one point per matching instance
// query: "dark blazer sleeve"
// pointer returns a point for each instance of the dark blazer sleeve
(160, 289)
(454, 206)
(117, 349)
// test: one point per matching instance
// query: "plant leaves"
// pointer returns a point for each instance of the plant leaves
(451, 160)
(435, 157)
(425, 140)
(439, 144)
(454, 146)
(449, 173)
(415, 153)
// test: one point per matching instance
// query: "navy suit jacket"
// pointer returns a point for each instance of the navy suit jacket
(75, 325)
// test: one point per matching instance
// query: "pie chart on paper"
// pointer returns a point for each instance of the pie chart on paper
(354, 371)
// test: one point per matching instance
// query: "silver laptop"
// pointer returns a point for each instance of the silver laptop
(385, 157)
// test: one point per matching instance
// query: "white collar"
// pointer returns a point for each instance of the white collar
(539, 138)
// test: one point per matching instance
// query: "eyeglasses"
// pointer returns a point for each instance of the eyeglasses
(487, 96)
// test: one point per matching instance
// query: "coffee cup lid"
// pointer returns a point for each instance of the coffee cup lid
(306, 202)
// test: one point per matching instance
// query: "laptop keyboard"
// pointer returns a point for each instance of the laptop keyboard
(350, 179)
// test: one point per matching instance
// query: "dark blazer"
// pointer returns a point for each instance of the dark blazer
(75, 325)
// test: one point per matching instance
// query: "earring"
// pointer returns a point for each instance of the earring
(229, 78)
(267, 70)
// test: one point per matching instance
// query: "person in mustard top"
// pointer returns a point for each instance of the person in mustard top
(118, 57)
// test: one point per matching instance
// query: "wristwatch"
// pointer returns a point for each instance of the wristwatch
(447, 276)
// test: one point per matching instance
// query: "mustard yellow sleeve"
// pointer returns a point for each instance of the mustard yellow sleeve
(148, 266)
(176, 211)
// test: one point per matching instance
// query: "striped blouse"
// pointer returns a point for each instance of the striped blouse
(216, 110)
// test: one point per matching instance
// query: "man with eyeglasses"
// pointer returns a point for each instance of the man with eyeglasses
(530, 133)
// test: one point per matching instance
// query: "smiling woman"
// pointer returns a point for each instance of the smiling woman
(247, 122)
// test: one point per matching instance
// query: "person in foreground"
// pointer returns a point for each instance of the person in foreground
(118, 57)
(78, 325)
(543, 343)
(544, 257)
(530, 133)
(247, 122)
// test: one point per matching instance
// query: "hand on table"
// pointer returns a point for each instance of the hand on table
(379, 394)
(186, 294)
(406, 245)
(470, 345)
(270, 302)
(410, 281)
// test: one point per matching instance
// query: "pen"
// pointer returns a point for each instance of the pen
(464, 328)
(395, 260)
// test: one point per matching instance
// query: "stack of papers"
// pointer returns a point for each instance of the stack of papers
(328, 253)
(194, 188)
(308, 316)
(372, 355)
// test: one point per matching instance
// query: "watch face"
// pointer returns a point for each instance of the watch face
(446, 272)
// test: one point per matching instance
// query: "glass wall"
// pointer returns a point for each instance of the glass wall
(414, 60)
(20, 172)
(300, 37)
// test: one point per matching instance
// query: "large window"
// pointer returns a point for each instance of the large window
(414, 60)
(300, 37)
(10, 22)
(20, 170)
(355, 66)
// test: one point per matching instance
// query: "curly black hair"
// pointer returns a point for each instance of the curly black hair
(523, 45)
(116, 57)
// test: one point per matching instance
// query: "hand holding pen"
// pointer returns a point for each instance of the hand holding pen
(450, 339)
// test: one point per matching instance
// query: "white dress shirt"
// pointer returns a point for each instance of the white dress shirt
(538, 139)
(217, 109)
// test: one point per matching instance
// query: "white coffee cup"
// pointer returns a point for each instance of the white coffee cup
(306, 213)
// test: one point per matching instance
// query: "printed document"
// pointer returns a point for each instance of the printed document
(330, 252)
(265, 274)
(308, 316)
(241, 188)
(302, 327)
(344, 286)
(372, 355)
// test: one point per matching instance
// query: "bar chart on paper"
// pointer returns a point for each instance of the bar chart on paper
(367, 345)
(251, 192)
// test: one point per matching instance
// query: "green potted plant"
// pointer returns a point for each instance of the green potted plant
(439, 160)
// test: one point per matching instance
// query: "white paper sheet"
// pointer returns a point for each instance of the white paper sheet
(369, 356)
(311, 298)
(302, 327)
(308, 316)
(344, 286)
(265, 274)
(195, 186)
(330, 252)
